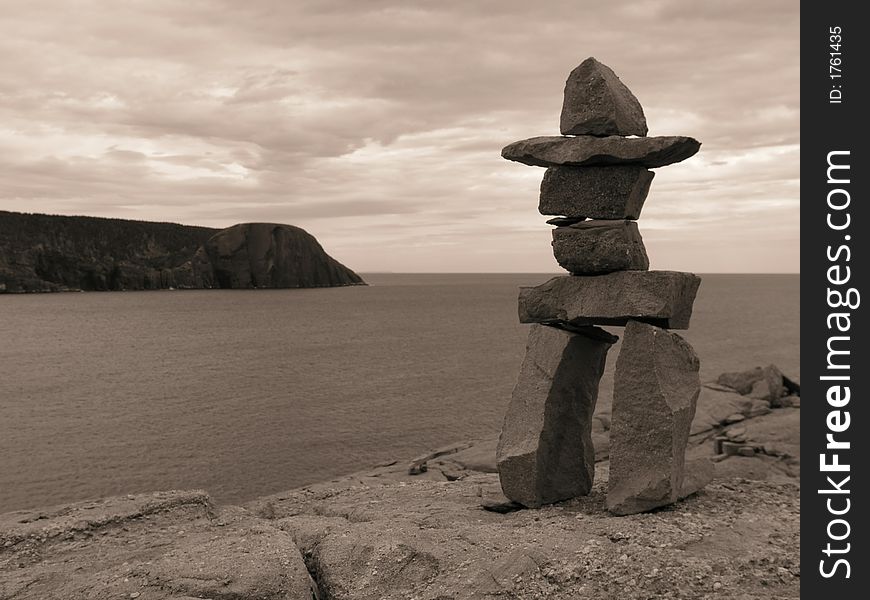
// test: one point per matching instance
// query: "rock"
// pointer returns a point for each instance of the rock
(545, 452)
(760, 390)
(774, 379)
(598, 103)
(734, 418)
(736, 432)
(697, 474)
(554, 151)
(656, 387)
(741, 381)
(595, 192)
(714, 407)
(662, 298)
(590, 331)
(594, 247)
(268, 255)
(479, 457)
(758, 467)
(718, 387)
(418, 464)
(786, 402)
(781, 430)
(501, 508)
(761, 383)
(163, 545)
(731, 448)
(560, 221)
(757, 408)
(746, 451)
(769, 386)
(792, 386)
(601, 422)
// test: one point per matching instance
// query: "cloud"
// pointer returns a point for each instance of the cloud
(377, 125)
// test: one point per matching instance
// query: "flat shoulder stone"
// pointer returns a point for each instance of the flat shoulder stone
(598, 103)
(662, 298)
(587, 150)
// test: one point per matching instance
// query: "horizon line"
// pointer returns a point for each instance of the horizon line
(558, 272)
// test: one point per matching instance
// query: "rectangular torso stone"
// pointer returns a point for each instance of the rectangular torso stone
(595, 192)
(594, 247)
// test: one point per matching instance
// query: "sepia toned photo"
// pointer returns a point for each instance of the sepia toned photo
(345, 300)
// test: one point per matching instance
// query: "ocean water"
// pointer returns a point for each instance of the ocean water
(245, 393)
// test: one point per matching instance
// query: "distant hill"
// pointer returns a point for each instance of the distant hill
(43, 253)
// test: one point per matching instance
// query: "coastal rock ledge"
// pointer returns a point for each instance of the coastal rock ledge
(45, 253)
(439, 528)
(423, 539)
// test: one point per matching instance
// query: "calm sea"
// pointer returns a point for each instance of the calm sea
(245, 393)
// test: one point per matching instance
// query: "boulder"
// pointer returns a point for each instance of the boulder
(764, 383)
(594, 247)
(656, 387)
(773, 380)
(598, 103)
(792, 385)
(662, 298)
(595, 192)
(268, 255)
(545, 452)
(587, 150)
(792, 401)
(740, 381)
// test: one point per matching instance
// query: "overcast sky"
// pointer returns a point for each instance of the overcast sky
(377, 125)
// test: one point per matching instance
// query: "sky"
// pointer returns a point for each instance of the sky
(377, 125)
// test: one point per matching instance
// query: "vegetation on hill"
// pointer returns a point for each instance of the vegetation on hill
(44, 253)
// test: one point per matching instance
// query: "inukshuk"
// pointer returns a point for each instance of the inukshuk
(596, 182)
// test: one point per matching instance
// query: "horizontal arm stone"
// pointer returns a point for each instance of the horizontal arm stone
(662, 298)
(553, 151)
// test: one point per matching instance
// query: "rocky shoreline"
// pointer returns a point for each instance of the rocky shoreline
(438, 527)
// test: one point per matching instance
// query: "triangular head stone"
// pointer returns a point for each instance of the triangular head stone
(598, 103)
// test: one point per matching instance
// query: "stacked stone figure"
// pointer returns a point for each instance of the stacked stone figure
(595, 185)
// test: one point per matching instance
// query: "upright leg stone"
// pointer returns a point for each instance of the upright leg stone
(656, 388)
(545, 451)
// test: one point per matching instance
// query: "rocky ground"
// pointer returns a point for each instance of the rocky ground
(439, 528)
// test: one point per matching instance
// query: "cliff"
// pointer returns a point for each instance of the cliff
(43, 253)
(271, 256)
